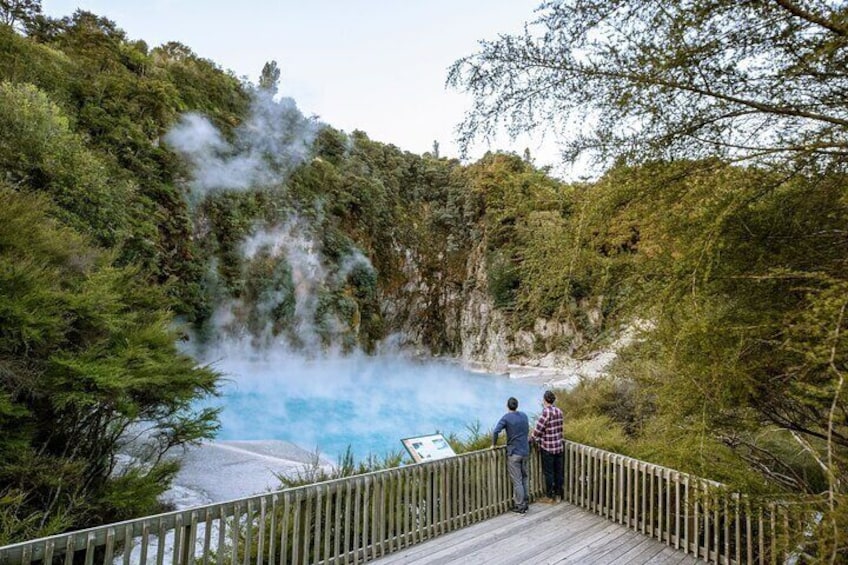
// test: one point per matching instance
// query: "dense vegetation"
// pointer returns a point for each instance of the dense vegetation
(722, 127)
(717, 228)
(110, 237)
(90, 218)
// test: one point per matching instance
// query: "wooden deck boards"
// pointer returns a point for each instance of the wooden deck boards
(558, 533)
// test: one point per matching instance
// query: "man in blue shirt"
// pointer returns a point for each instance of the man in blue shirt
(517, 451)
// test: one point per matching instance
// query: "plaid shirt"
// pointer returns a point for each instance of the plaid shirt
(548, 431)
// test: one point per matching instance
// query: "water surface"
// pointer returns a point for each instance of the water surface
(366, 402)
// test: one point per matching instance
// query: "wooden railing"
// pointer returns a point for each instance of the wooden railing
(699, 517)
(349, 520)
(356, 519)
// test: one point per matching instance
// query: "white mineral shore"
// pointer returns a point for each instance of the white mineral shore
(225, 470)
(565, 372)
(555, 371)
(219, 471)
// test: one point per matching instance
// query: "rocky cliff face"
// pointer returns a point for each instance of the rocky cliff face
(471, 328)
(482, 329)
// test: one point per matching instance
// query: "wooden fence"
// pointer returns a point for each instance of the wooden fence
(699, 517)
(356, 519)
(349, 520)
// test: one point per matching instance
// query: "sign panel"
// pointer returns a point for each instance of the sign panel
(428, 448)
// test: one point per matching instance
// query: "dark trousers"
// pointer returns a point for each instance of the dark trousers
(553, 471)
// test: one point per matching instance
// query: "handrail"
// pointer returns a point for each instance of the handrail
(351, 519)
(355, 519)
(700, 517)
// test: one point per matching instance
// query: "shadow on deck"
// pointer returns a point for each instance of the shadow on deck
(559, 533)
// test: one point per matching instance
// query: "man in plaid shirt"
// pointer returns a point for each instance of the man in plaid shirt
(548, 436)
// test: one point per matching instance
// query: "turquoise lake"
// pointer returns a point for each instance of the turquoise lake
(367, 403)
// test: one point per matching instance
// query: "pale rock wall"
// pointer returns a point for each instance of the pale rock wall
(473, 329)
(489, 344)
(483, 329)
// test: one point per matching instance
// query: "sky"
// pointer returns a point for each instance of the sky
(375, 65)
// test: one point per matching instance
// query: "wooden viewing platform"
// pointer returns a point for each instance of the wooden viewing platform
(557, 533)
(617, 510)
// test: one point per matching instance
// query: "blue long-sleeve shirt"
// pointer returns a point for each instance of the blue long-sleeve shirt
(517, 429)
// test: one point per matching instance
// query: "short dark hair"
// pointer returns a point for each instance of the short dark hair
(512, 403)
(550, 397)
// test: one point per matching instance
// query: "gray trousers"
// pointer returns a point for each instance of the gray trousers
(516, 466)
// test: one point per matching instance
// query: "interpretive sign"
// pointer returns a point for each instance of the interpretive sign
(428, 448)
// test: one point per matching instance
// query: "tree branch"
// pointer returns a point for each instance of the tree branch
(648, 80)
(799, 12)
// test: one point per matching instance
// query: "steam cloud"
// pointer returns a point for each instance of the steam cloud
(267, 147)
(293, 243)
(309, 396)
(274, 140)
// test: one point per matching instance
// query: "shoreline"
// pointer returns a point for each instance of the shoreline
(559, 370)
(222, 470)
(562, 375)
(552, 377)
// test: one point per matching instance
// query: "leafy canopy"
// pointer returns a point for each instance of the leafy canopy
(649, 79)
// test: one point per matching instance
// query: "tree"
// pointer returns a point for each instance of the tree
(741, 269)
(19, 14)
(39, 152)
(742, 272)
(524, 223)
(89, 360)
(646, 79)
(202, 85)
(269, 80)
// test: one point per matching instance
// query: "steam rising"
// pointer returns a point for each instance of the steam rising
(274, 140)
(298, 389)
(267, 147)
(351, 262)
(293, 243)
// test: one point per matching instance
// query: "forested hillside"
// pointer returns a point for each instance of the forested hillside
(148, 196)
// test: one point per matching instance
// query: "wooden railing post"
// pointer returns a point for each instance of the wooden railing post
(186, 552)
